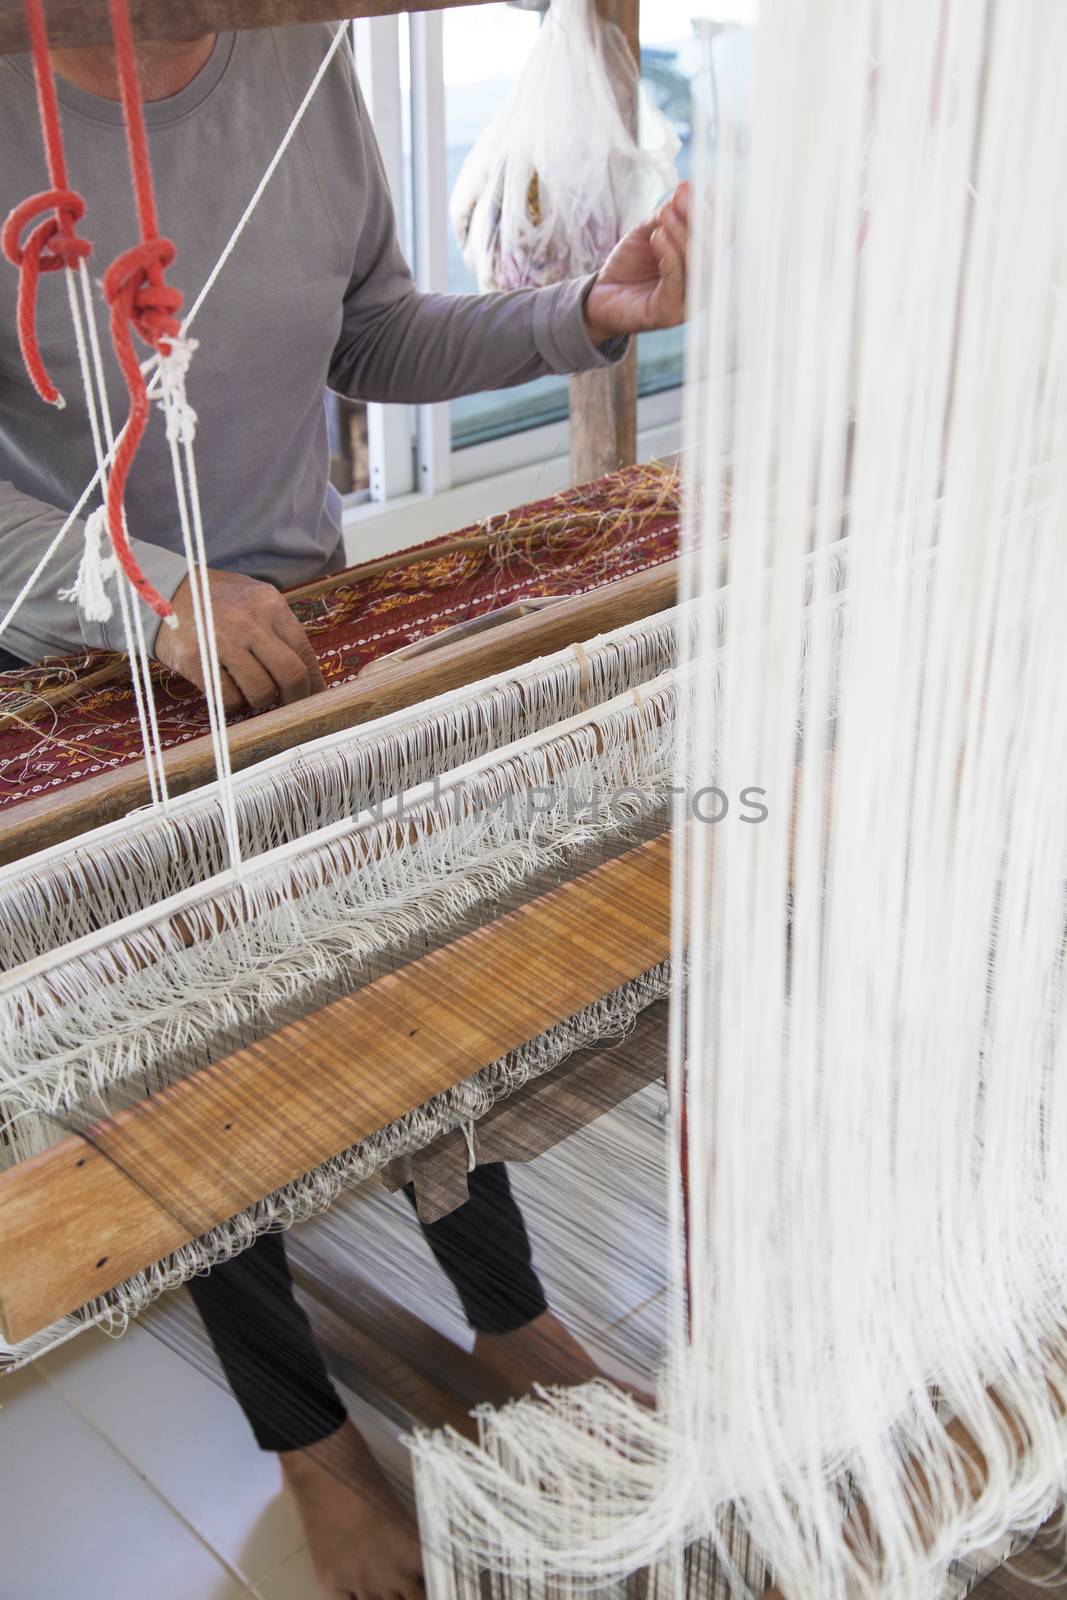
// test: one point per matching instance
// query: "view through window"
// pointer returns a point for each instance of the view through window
(485, 49)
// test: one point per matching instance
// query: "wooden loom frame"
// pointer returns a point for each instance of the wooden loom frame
(139, 1186)
(79, 22)
(37, 824)
(84, 1195)
(127, 1193)
(140, 1230)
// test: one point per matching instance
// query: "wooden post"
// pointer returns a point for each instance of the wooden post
(604, 404)
(79, 22)
(96, 1208)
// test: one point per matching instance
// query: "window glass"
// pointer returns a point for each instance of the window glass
(346, 421)
(485, 49)
(675, 37)
(670, 61)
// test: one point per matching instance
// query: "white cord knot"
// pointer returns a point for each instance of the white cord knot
(173, 370)
(95, 571)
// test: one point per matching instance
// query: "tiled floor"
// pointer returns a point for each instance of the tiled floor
(126, 1473)
(97, 1499)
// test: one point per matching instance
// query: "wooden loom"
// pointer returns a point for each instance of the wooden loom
(136, 1188)
(113, 1229)
(121, 1197)
(147, 1203)
(604, 438)
(132, 1190)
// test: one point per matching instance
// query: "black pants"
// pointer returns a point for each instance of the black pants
(264, 1341)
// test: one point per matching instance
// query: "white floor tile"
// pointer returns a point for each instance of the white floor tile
(76, 1519)
(189, 1438)
(293, 1580)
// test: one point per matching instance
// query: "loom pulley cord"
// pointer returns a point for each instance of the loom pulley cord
(54, 243)
(141, 302)
(135, 285)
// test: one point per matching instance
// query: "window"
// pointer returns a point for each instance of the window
(670, 61)
(484, 52)
(432, 82)
(349, 451)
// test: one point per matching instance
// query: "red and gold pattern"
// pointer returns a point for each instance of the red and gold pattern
(569, 544)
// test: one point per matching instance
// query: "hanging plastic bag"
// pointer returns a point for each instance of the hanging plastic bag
(557, 178)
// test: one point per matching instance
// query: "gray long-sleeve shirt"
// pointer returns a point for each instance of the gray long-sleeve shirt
(317, 294)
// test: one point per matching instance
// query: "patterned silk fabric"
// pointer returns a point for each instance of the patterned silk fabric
(60, 724)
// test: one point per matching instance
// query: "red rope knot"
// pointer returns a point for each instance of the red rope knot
(56, 235)
(135, 288)
(50, 246)
(140, 299)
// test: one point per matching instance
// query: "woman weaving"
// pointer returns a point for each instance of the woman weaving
(319, 295)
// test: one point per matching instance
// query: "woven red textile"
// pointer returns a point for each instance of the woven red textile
(569, 544)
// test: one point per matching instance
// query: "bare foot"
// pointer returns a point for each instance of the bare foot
(363, 1544)
(542, 1352)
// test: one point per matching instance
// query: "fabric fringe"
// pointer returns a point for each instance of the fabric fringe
(315, 1191)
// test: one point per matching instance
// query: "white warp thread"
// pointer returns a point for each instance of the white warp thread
(54, 897)
(142, 1002)
(871, 1049)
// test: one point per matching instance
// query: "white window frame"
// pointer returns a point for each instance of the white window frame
(656, 413)
(419, 484)
(379, 530)
(376, 42)
(433, 449)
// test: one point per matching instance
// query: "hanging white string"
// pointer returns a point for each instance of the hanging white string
(49, 553)
(181, 434)
(92, 572)
(96, 570)
(872, 1041)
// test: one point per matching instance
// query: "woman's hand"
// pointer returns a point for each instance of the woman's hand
(642, 285)
(264, 654)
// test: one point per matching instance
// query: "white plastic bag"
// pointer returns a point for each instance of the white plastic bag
(557, 178)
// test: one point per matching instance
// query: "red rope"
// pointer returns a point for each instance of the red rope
(141, 302)
(53, 244)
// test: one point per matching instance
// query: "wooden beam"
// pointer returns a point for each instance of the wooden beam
(89, 1213)
(604, 403)
(46, 821)
(604, 420)
(538, 1116)
(80, 22)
